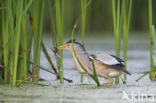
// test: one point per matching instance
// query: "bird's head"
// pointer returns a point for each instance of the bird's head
(68, 46)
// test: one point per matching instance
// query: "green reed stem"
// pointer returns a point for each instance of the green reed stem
(24, 46)
(14, 29)
(29, 42)
(1, 40)
(38, 22)
(117, 29)
(114, 15)
(153, 72)
(119, 19)
(125, 37)
(23, 73)
(153, 55)
(118, 35)
(5, 41)
(83, 19)
(95, 78)
(36, 36)
(19, 9)
(84, 5)
(126, 30)
(59, 24)
(151, 39)
(52, 24)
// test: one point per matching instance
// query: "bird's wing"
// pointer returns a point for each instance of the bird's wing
(109, 60)
(120, 60)
(105, 59)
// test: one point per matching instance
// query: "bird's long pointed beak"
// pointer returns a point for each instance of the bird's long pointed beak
(62, 47)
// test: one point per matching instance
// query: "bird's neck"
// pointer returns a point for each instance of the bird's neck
(83, 58)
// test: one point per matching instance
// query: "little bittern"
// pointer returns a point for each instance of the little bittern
(107, 66)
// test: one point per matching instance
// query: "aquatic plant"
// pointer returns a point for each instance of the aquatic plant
(83, 19)
(84, 5)
(152, 72)
(59, 25)
(38, 23)
(16, 41)
(1, 41)
(152, 34)
(55, 72)
(57, 28)
(117, 28)
(127, 7)
(121, 21)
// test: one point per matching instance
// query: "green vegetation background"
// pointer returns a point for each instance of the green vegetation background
(99, 16)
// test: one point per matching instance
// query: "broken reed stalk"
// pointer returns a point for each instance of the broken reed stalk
(59, 25)
(40, 67)
(26, 79)
(94, 75)
(48, 58)
(66, 79)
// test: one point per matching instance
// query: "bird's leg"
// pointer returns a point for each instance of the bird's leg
(123, 81)
(89, 79)
(109, 81)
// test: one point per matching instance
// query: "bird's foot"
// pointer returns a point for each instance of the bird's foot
(107, 84)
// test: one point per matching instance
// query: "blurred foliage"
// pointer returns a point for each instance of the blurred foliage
(99, 16)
